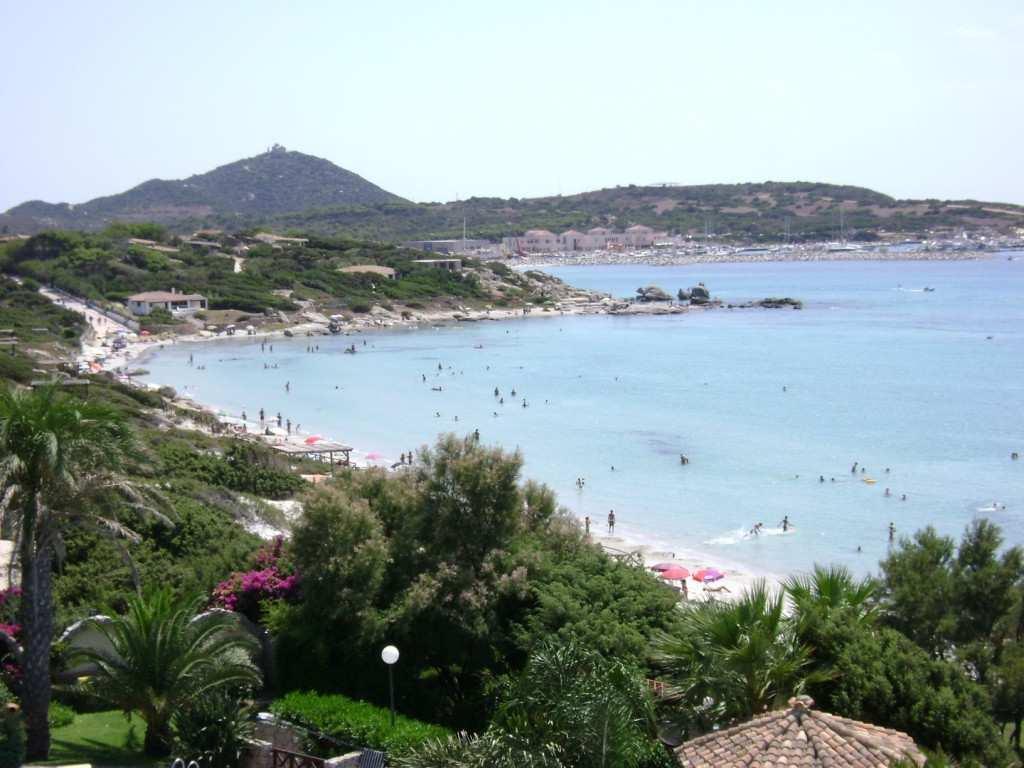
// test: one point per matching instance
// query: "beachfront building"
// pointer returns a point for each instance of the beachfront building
(460, 245)
(594, 239)
(370, 269)
(175, 303)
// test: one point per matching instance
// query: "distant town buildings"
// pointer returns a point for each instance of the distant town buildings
(595, 239)
(174, 302)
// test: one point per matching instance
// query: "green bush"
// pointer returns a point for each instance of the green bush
(60, 715)
(213, 730)
(360, 307)
(356, 723)
(12, 739)
(240, 469)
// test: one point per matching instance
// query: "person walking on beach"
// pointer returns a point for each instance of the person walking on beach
(586, 525)
(262, 416)
(611, 521)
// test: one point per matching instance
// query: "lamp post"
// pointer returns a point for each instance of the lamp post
(389, 655)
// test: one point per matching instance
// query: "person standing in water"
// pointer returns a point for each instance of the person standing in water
(785, 523)
(611, 521)
(892, 532)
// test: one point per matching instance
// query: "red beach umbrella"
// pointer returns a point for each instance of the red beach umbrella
(708, 574)
(676, 573)
(312, 439)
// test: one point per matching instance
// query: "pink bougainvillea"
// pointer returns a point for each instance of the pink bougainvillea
(271, 579)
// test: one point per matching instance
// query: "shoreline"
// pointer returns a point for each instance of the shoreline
(670, 257)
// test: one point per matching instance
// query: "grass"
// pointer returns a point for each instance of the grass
(100, 738)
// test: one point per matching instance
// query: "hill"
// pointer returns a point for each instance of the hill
(768, 210)
(293, 191)
(274, 182)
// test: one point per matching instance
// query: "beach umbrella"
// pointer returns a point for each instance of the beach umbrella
(312, 439)
(663, 567)
(674, 574)
(373, 456)
(708, 574)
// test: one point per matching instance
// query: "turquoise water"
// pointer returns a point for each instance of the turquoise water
(874, 369)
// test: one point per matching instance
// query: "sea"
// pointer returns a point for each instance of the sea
(922, 389)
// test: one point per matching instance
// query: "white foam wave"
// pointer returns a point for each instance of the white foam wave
(745, 534)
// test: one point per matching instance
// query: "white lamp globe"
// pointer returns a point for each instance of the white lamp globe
(389, 655)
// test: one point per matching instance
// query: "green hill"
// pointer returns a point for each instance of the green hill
(275, 182)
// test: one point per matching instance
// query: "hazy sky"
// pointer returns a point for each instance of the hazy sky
(434, 100)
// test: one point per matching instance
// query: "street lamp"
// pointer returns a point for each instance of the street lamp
(389, 656)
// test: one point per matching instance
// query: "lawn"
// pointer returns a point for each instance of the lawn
(100, 738)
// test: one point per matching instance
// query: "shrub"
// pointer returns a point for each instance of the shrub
(356, 723)
(240, 469)
(213, 730)
(12, 739)
(360, 307)
(60, 715)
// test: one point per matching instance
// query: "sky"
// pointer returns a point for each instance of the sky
(451, 99)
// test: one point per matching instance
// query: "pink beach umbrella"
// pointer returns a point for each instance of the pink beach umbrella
(664, 566)
(312, 439)
(676, 573)
(708, 574)
(373, 456)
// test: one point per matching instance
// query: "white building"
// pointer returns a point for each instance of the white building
(595, 239)
(174, 302)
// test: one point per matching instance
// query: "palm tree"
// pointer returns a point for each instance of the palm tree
(54, 452)
(831, 592)
(731, 661)
(163, 656)
(570, 708)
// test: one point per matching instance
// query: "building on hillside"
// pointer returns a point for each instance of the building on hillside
(279, 240)
(447, 246)
(449, 265)
(211, 245)
(152, 245)
(369, 269)
(175, 303)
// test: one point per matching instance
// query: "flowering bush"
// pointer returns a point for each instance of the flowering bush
(271, 579)
(10, 602)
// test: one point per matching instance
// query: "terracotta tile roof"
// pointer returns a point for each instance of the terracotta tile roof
(800, 736)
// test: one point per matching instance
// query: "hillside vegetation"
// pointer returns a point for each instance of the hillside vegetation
(106, 266)
(764, 211)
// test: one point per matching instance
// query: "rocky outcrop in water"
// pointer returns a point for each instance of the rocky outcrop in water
(699, 294)
(652, 293)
